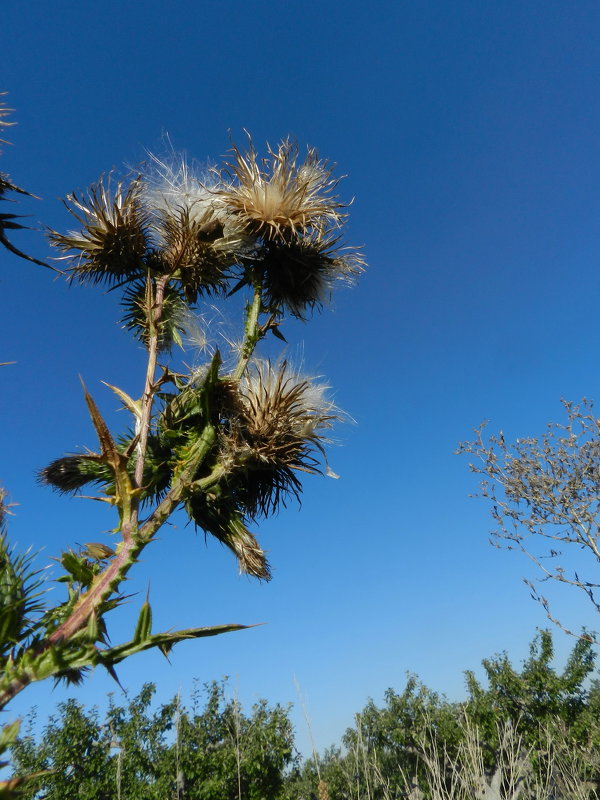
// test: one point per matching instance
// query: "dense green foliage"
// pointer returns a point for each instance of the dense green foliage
(388, 752)
(209, 752)
(531, 728)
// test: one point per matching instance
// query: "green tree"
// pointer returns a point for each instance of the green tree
(140, 738)
(75, 751)
(537, 696)
(209, 752)
(418, 744)
(224, 754)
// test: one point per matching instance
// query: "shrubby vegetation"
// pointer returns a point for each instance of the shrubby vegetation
(418, 745)
(201, 751)
(528, 734)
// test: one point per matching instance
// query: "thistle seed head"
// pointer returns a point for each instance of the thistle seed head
(277, 199)
(172, 184)
(112, 242)
(277, 430)
(197, 237)
(284, 415)
(169, 187)
(301, 274)
(188, 251)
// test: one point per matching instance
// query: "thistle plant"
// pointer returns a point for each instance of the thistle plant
(226, 442)
(7, 187)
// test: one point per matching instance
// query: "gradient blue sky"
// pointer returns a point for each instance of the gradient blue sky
(470, 133)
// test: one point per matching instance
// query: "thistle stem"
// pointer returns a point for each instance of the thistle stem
(182, 482)
(134, 541)
(103, 586)
(251, 332)
(154, 313)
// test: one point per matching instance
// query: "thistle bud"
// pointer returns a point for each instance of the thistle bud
(98, 551)
(71, 473)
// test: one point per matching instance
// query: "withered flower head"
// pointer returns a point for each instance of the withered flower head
(283, 411)
(301, 274)
(219, 517)
(112, 242)
(192, 252)
(197, 236)
(276, 198)
(280, 429)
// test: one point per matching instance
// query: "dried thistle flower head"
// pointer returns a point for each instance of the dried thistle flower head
(276, 198)
(191, 251)
(301, 274)
(112, 242)
(279, 429)
(219, 517)
(196, 235)
(170, 186)
(280, 406)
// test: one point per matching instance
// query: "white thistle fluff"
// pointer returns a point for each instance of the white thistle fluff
(195, 327)
(170, 185)
(313, 411)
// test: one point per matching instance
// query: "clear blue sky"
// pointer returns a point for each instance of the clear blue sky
(470, 135)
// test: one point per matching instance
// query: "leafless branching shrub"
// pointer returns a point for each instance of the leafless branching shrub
(545, 498)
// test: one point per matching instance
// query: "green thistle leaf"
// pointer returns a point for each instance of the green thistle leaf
(20, 606)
